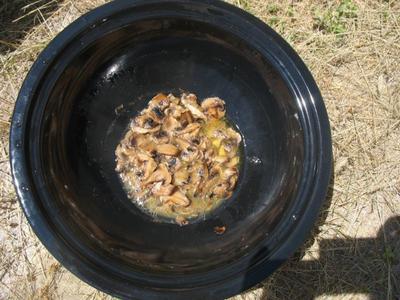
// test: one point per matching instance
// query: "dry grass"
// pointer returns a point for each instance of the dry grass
(353, 50)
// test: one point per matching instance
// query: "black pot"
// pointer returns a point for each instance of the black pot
(75, 105)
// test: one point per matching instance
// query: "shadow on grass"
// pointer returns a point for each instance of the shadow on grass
(17, 17)
(369, 266)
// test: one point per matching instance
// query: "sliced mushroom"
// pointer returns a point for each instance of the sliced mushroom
(136, 140)
(160, 100)
(190, 128)
(233, 162)
(182, 143)
(173, 99)
(186, 118)
(173, 164)
(170, 124)
(213, 107)
(228, 172)
(181, 221)
(146, 121)
(221, 159)
(221, 189)
(138, 129)
(156, 114)
(235, 135)
(162, 190)
(190, 154)
(177, 198)
(216, 170)
(209, 185)
(167, 149)
(149, 147)
(198, 175)
(181, 177)
(150, 166)
(190, 102)
(161, 137)
(161, 174)
(232, 181)
(174, 110)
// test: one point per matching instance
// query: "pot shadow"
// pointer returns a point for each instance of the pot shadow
(360, 265)
(17, 17)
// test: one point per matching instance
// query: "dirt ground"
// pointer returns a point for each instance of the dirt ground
(352, 48)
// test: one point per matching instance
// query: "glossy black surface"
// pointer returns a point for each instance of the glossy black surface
(75, 106)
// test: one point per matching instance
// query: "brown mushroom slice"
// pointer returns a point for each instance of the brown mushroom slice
(143, 156)
(126, 154)
(190, 136)
(170, 124)
(190, 102)
(181, 221)
(229, 148)
(209, 185)
(208, 155)
(146, 121)
(215, 170)
(162, 190)
(173, 163)
(173, 99)
(228, 172)
(174, 110)
(181, 177)
(177, 198)
(190, 128)
(161, 174)
(198, 175)
(149, 147)
(182, 143)
(221, 159)
(160, 100)
(186, 118)
(150, 166)
(138, 129)
(167, 149)
(233, 162)
(190, 154)
(232, 181)
(136, 139)
(161, 137)
(220, 190)
(156, 114)
(235, 135)
(213, 107)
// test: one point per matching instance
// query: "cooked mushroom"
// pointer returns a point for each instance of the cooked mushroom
(162, 190)
(161, 174)
(150, 166)
(190, 128)
(181, 220)
(161, 137)
(167, 149)
(177, 198)
(179, 158)
(186, 118)
(138, 129)
(221, 189)
(213, 107)
(233, 134)
(181, 177)
(190, 102)
(160, 100)
(170, 124)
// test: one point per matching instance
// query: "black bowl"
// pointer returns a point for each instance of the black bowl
(75, 105)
